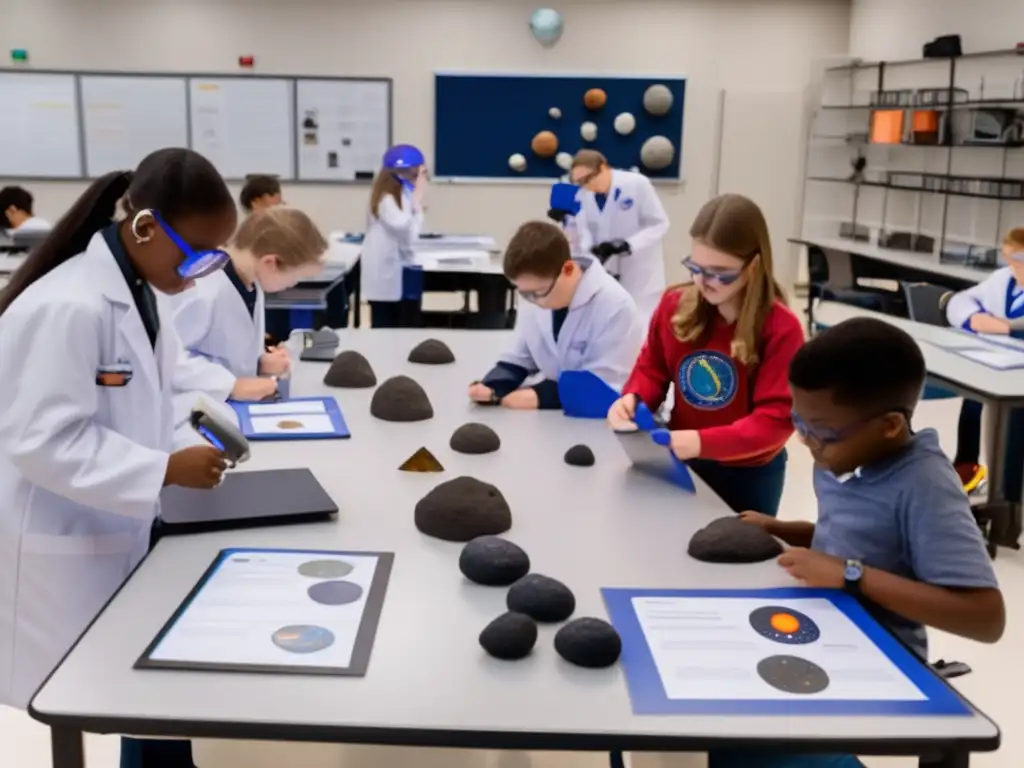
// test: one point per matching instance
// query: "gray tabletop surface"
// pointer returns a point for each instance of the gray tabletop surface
(429, 682)
(941, 363)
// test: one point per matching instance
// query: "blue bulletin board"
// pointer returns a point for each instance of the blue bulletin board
(480, 120)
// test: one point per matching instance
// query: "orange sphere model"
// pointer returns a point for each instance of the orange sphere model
(544, 144)
(595, 98)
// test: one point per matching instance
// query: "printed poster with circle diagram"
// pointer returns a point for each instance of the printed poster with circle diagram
(766, 652)
(290, 611)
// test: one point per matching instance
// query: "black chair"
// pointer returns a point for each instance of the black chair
(926, 303)
(818, 274)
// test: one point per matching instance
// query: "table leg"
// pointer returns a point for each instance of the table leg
(1004, 528)
(68, 748)
(947, 760)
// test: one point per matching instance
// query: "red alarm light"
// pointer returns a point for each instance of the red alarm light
(246, 61)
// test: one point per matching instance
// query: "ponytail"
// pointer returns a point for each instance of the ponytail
(91, 213)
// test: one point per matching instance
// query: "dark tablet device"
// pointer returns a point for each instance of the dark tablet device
(247, 500)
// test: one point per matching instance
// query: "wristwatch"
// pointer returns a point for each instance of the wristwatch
(852, 573)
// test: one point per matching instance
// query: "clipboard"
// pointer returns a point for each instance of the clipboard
(303, 418)
(648, 450)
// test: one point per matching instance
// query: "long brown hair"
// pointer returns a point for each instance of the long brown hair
(386, 183)
(286, 233)
(733, 224)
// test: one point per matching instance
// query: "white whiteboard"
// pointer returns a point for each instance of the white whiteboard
(125, 118)
(343, 128)
(39, 127)
(244, 126)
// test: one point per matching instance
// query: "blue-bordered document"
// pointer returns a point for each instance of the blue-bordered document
(304, 418)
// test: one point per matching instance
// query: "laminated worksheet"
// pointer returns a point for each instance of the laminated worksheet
(264, 610)
(304, 418)
(773, 651)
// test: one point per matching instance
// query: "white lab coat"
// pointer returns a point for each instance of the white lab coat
(81, 465)
(388, 247)
(33, 224)
(998, 295)
(602, 332)
(634, 213)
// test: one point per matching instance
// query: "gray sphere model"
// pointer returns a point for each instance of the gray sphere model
(493, 561)
(658, 100)
(588, 642)
(509, 637)
(624, 123)
(542, 598)
(657, 153)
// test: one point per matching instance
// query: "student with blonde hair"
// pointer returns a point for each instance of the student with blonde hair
(221, 320)
(725, 341)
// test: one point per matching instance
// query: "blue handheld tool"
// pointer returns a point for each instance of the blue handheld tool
(222, 434)
(585, 395)
(649, 452)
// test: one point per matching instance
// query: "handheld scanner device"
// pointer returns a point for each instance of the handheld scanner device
(221, 433)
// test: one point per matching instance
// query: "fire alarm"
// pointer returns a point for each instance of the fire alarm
(246, 61)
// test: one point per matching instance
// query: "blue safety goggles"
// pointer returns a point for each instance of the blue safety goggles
(197, 263)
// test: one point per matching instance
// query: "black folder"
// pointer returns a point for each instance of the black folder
(247, 500)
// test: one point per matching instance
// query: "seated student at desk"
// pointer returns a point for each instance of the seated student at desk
(221, 320)
(86, 428)
(575, 317)
(995, 306)
(16, 211)
(260, 192)
(894, 527)
(725, 342)
(394, 225)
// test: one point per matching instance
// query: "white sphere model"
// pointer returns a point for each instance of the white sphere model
(517, 162)
(657, 153)
(546, 24)
(625, 124)
(658, 100)
(588, 131)
(555, 113)
(563, 160)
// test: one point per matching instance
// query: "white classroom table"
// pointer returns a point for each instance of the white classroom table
(999, 390)
(429, 684)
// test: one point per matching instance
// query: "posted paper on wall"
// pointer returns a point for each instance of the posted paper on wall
(764, 652)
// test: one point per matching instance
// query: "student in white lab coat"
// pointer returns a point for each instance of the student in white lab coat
(86, 424)
(575, 317)
(16, 211)
(993, 306)
(394, 225)
(622, 222)
(221, 320)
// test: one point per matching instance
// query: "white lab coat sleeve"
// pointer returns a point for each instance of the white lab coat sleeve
(988, 296)
(653, 220)
(47, 426)
(519, 351)
(401, 223)
(193, 318)
(583, 233)
(616, 345)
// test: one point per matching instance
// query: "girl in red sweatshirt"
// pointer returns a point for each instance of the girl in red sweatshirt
(725, 342)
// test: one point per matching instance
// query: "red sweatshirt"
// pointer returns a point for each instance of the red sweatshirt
(741, 412)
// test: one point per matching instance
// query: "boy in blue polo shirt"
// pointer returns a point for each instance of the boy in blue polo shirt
(894, 527)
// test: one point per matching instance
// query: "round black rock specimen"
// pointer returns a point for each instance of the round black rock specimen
(401, 399)
(475, 438)
(493, 561)
(579, 456)
(431, 352)
(541, 597)
(510, 636)
(463, 509)
(588, 642)
(350, 370)
(730, 540)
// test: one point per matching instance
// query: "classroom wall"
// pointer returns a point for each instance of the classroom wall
(747, 46)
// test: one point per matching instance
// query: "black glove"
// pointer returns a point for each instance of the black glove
(604, 251)
(557, 216)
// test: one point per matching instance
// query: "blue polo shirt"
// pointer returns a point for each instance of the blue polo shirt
(907, 515)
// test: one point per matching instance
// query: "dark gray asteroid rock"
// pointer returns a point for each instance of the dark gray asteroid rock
(350, 370)
(431, 352)
(475, 438)
(588, 642)
(579, 456)
(401, 399)
(730, 540)
(510, 636)
(463, 509)
(541, 597)
(493, 561)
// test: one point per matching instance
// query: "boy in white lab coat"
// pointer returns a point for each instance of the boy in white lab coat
(574, 317)
(16, 211)
(622, 222)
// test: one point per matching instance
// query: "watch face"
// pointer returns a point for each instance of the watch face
(853, 571)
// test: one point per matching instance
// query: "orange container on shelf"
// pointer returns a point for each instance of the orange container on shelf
(887, 126)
